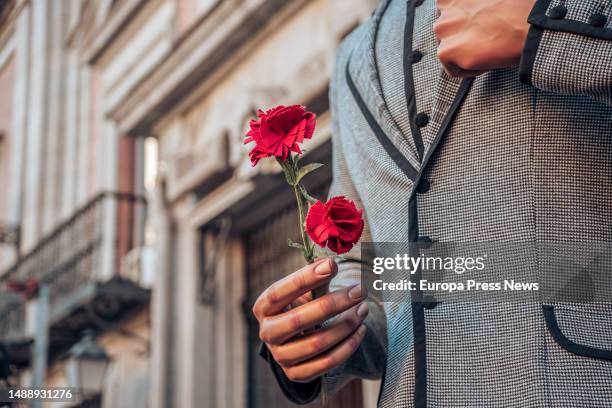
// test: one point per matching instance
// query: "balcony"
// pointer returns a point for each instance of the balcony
(13, 337)
(78, 266)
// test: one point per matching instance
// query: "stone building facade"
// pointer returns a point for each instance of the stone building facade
(145, 103)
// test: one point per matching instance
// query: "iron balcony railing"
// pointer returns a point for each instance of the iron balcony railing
(12, 316)
(87, 247)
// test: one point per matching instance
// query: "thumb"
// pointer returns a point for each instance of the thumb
(322, 290)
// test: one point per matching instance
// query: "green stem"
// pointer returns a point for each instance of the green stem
(290, 175)
(305, 240)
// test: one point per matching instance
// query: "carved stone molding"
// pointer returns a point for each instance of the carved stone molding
(194, 60)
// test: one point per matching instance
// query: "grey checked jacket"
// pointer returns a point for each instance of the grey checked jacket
(519, 155)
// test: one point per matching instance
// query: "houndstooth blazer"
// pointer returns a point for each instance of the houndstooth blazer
(513, 155)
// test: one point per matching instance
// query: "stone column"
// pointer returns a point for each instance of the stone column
(84, 156)
(230, 368)
(71, 131)
(18, 132)
(162, 307)
(36, 123)
(106, 157)
(54, 128)
(186, 324)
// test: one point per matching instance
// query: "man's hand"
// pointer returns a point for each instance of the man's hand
(476, 36)
(287, 316)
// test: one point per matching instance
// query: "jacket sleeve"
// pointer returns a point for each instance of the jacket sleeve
(569, 48)
(370, 358)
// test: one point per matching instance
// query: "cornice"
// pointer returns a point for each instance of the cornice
(194, 59)
(7, 23)
(97, 38)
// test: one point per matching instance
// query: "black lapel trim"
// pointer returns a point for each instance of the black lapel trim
(413, 225)
(532, 44)
(409, 79)
(420, 351)
(448, 119)
(378, 81)
(561, 339)
(397, 156)
(418, 316)
(530, 51)
(418, 309)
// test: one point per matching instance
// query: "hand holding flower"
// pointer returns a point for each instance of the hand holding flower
(337, 225)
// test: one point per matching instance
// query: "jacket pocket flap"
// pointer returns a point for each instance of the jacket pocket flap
(584, 333)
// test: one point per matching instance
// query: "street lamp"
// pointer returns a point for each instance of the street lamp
(86, 366)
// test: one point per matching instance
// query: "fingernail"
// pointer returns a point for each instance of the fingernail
(361, 330)
(324, 268)
(355, 293)
(363, 309)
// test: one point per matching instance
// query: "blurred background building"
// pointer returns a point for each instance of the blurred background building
(128, 207)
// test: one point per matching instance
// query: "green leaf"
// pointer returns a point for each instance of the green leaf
(307, 196)
(306, 255)
(324, 253)
(295, 244)
(305, 170)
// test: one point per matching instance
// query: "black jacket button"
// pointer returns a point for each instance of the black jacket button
(423, 186)
(417, 3)
(598, 20)
(421, 120)
(424, 242)
(558, 12)
(429, 302)
(416, 56)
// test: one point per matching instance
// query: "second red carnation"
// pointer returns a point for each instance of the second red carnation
(337, 224)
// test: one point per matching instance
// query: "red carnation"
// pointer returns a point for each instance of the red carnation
(279, 131)
(337, 224)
